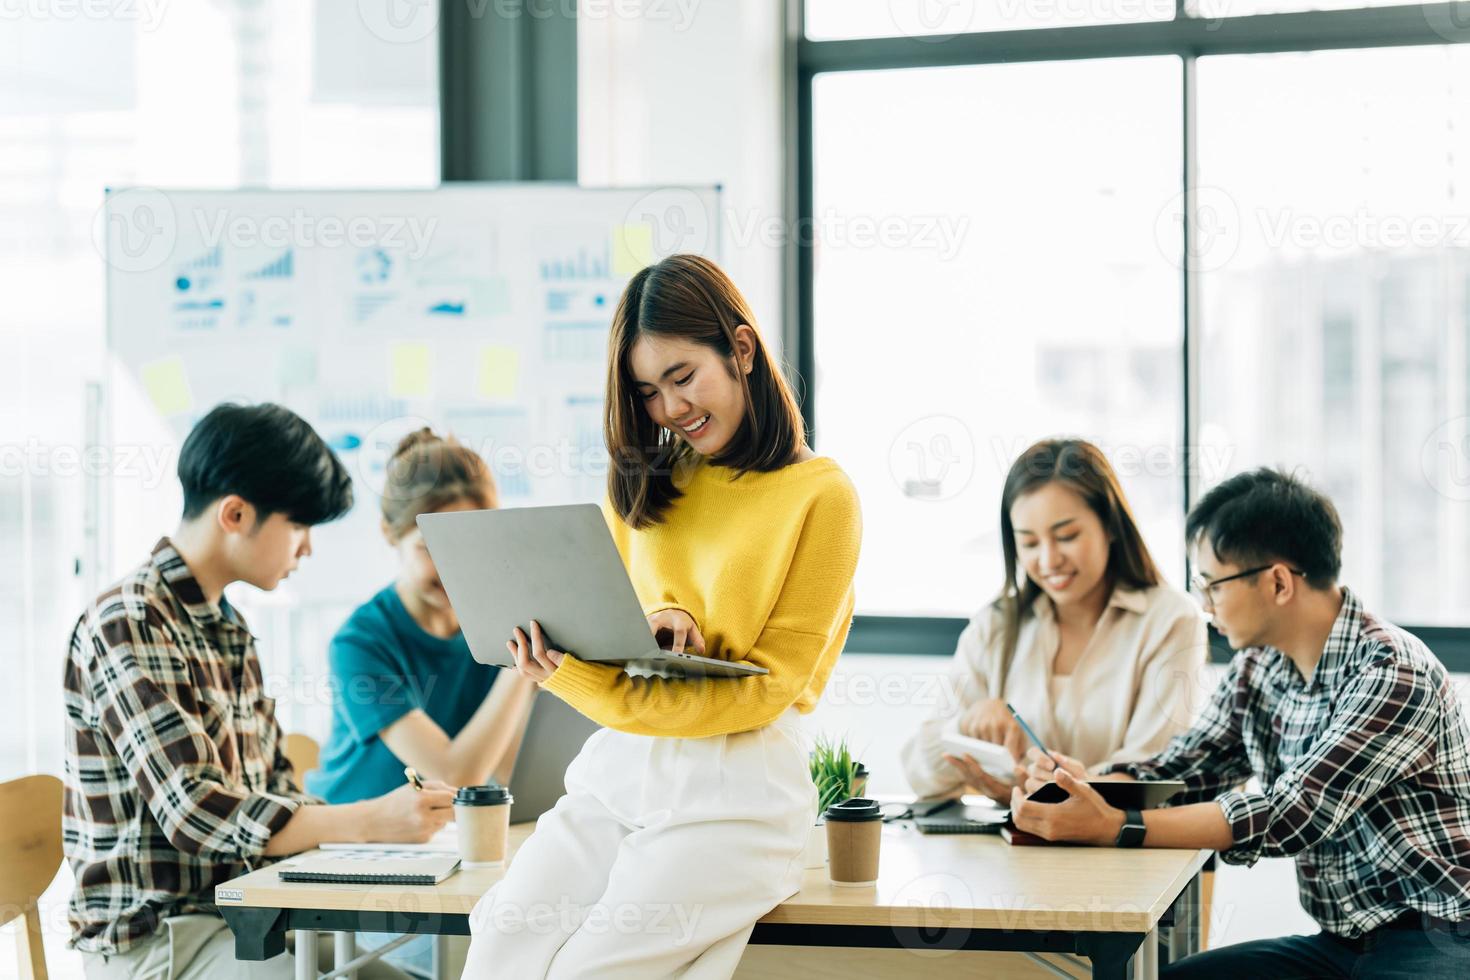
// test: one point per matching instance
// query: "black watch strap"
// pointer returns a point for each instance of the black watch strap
(1133, 830)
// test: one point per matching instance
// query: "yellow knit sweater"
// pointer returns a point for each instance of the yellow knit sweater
(763, 562)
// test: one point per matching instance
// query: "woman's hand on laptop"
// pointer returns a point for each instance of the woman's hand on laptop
(674, 629)
(535, 659)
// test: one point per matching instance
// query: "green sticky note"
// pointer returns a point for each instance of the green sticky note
(632, 248)
(410, 368)
(500, 368)
(168, 386)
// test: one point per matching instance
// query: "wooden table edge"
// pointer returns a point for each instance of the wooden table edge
(787, 913)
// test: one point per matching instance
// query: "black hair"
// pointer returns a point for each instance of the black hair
(268, 455)
(1267, 515)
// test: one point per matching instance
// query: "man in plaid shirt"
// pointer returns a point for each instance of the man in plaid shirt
(1353, 730)
(175, 779)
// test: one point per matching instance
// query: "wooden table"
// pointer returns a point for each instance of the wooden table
(936, 892)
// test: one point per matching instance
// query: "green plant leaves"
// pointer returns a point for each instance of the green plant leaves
(833, 770)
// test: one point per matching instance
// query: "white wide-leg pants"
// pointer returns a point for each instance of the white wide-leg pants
(657, 862)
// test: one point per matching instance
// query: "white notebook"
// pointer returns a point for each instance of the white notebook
(370, 867)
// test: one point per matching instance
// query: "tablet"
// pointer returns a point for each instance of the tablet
(994, 759)
(1125, 795)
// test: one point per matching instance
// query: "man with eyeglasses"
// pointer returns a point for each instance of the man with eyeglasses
(1353, 730)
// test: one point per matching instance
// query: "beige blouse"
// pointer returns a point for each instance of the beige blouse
(1137, 684)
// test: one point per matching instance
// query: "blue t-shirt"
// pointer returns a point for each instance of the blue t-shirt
(383, 666)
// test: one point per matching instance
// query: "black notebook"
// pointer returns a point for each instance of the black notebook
(961, 819)
(371, 867)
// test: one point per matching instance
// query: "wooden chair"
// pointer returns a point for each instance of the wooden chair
(30, 854)
(305, 755)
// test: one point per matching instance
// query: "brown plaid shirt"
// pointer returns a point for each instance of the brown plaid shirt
(1365, 770)
(175, 778)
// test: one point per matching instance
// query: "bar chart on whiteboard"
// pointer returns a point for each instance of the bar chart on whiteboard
(481, 310)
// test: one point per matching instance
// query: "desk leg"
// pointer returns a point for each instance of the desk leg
(344, 951)
(260, 934)
(1110, 953)
(1146, 960)
(441, 957)
(1187, 932)
(305, 954)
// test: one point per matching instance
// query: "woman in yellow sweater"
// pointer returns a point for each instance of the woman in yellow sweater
(684, 819)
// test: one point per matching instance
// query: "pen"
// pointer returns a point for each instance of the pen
(1029, 733)
(418, 784)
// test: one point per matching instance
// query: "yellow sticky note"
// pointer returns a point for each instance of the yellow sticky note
(499, 368)
(632, 248)
(410, 368)
(168, 386)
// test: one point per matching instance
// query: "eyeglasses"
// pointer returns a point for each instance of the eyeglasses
(1205, 588)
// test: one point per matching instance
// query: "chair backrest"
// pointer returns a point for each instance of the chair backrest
(30, 854)
(305, 755)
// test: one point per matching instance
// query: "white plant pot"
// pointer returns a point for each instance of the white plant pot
(814, 855)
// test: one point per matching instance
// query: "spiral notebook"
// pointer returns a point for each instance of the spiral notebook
(371, 867)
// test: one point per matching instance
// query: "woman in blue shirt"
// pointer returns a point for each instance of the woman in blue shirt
(408, 693)
(407, 690)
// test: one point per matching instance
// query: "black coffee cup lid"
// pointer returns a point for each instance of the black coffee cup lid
(491, 795)
(855, 810)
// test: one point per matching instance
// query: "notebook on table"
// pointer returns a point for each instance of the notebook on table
(960, 818)
(370, 867)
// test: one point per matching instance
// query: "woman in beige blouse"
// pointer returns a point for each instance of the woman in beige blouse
(1098, 655)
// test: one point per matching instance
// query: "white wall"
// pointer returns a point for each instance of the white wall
(690, 92)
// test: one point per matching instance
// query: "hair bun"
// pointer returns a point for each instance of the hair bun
(423, 436)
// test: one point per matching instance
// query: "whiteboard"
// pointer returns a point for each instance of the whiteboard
(479, 309)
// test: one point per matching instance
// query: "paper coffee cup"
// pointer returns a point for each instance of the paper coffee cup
(482, 823)
(854, 831)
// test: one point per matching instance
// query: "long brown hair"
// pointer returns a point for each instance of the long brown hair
(427, 472)
(1082, 467)
(688, 298)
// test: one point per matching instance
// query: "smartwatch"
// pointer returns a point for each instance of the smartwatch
(1133, 830)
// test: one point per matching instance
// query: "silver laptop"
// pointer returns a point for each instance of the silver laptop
(559, 566)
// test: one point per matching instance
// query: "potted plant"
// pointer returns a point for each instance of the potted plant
(837, 776)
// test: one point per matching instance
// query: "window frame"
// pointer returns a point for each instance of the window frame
(1187, 37)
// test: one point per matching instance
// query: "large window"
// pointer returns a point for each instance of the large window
(949, 202)
(1197, 250)
(1336, 289)
(933, 19)
(189, 94)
